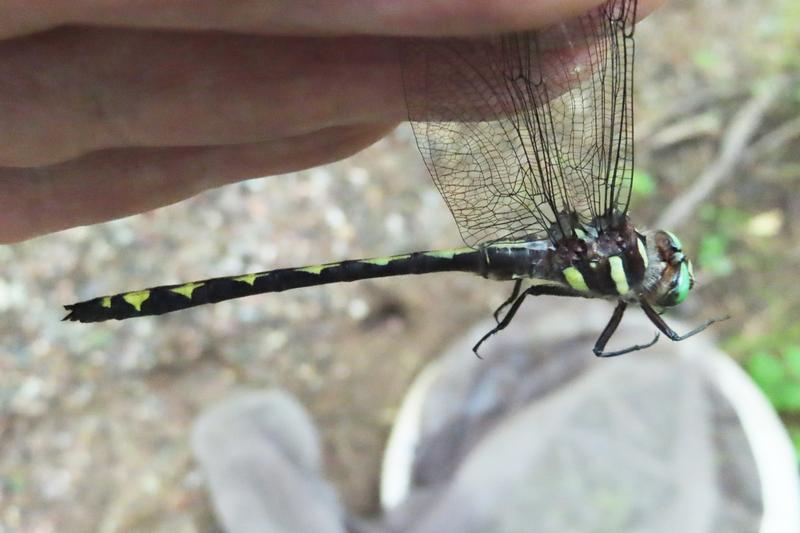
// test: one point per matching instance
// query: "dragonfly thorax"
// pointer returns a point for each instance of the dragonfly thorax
(607, 258)
(599, 261)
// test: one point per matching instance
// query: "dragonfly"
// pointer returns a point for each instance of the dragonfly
(528, 137)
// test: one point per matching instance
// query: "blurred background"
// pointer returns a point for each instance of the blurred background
(101, 414)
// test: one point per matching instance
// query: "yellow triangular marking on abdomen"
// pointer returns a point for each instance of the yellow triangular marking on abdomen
(383, 261)
(187, 290)
(315, 269)
(136, 299)
(106, 302)
(448, 254)
(250, 279)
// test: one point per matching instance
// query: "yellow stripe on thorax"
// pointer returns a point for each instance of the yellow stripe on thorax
(643, 252)
(575, 279)
(618, 275)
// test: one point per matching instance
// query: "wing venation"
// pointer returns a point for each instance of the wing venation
(519, 128)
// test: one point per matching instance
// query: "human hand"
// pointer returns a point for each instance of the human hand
(111, 108)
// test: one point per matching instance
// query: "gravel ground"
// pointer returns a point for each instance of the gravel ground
(101, 413)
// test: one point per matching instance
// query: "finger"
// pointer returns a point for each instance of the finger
(66, 93)
(383, 17)
(117, 183)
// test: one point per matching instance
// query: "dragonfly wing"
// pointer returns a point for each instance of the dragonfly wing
(520, 128)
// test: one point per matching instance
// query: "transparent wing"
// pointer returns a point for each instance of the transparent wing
(519, 129)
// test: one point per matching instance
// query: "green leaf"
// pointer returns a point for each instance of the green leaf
(16, 482)
(791, 357)
(767, 371)
(644, 185)
(713, 254)
(795, 434)
(788, 397)
(706, 59)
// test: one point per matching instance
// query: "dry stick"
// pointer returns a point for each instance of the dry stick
(689, 106)
(775, 140)
(732, 151)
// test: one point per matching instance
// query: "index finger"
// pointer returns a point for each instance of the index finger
(290, 17)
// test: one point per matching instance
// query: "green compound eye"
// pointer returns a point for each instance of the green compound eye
(680, 289)
(674, 241)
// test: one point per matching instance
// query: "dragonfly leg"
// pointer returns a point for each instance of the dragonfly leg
(658, 322)
(609, 330)
(537, 290)
(509, 301)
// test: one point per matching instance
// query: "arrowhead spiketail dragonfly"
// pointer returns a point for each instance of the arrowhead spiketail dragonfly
(529, 138)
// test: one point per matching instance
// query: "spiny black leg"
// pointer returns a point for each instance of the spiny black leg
(503, 323)
(668, 331)
(536, 290)
(509, 301)
(609, 330)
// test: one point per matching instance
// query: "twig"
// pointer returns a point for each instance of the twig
(775, 140)
(693, 105)
(732, 151)
(706, 124)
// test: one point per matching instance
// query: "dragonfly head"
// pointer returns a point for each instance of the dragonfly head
(677, 278)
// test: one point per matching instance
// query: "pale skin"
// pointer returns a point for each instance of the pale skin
(115, 107)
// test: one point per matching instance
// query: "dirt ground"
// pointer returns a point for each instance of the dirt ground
(95, 420)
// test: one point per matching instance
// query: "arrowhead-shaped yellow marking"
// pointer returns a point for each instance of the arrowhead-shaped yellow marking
(187, 290)
(315, 269)
(383, 261)
(136, 299)
(250, 279)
